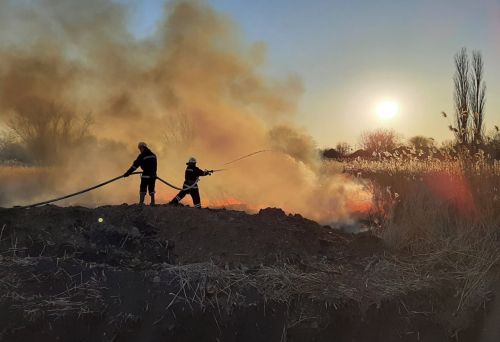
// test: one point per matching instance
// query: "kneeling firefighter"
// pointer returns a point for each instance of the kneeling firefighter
(191, 183)
(147, 162)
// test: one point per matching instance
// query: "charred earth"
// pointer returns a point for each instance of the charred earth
(130, 273)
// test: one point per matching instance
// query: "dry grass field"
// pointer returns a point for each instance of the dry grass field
(444, 215)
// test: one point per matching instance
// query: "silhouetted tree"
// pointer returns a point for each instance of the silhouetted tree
(11, 150)
(379, 140)
(47, 130)
(461, 96)
(421, 142)
(331, 153)
(469, 98)
(477, 97)
(343, 149)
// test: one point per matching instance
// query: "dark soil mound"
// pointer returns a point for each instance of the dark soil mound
(129, 273)
(176, 235)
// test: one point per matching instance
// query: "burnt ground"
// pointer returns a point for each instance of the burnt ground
(180, 274)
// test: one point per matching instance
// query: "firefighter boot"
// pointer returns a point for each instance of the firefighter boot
(152, 200)
(142, 195)
(174, 203)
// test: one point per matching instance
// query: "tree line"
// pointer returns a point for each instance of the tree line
(469, 97)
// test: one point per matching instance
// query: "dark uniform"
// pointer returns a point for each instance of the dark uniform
(147, 162)
(190, 182)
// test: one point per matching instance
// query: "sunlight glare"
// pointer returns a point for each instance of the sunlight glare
(387, 109)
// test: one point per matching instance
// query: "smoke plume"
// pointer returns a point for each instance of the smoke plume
(195, 88)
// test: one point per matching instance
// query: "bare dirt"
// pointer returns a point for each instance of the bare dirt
(181, 274)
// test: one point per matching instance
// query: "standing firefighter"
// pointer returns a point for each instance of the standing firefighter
(191, 183)
(147, 162)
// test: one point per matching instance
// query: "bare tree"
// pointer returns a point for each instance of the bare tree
(421, 142)
(462, 96)
(469, 98)
(11, 150)
(477, 98)
(379, 140)
(343, 149)
(47, 130)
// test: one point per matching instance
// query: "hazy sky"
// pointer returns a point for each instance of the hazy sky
(352, 54)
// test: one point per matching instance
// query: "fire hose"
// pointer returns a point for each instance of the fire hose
(134, 173)
(103, 184)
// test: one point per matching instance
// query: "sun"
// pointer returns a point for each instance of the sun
(387, 109)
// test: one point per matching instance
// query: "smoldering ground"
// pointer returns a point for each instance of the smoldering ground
(80, 91)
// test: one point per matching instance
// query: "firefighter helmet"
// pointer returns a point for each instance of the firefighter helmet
(191, 160)
(142, 144)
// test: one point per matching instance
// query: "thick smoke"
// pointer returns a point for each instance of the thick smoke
(194, 89)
